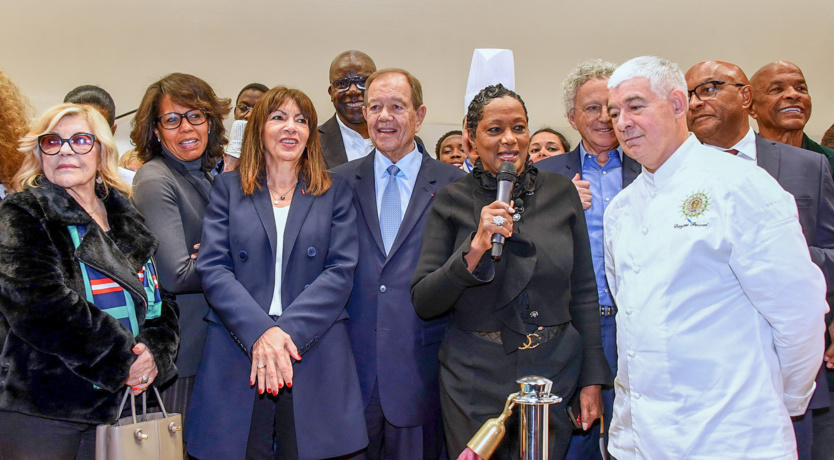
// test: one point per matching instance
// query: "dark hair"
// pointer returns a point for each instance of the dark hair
(565, 143)
(455, 132)
(256, 86)
(96, 97)
(476, 108)
(252, 155)
(189, 91)
(413, 82)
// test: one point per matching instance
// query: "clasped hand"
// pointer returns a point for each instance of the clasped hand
(271, 361)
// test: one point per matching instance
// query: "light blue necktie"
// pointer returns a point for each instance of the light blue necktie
(391, 213)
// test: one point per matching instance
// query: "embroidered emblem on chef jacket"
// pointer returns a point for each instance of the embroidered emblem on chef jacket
(694, 206)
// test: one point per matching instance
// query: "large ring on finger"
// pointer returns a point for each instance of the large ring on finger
(498, 220)
(144, 379)
(261, 366)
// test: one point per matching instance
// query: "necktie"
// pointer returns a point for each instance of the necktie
(391, 213)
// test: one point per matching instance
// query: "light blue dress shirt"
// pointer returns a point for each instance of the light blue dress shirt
(409, 168)
(606, 182)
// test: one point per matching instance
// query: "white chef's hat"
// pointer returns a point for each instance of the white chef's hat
(489, 67)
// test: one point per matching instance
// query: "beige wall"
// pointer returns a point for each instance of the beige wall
(49, 47)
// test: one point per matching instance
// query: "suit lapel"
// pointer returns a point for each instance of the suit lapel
(180, 169)
(573, 165)
(421, 196)
(631, 169)
(366, 196)
(301, 203)
(263, 206)
(767, 157)
(335, 153)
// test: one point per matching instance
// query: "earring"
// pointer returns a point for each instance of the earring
(99, 180)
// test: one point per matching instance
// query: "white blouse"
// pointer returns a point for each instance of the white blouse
(277, 307)
(720, 321)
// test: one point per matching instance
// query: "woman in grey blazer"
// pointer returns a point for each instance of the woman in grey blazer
(179, 134)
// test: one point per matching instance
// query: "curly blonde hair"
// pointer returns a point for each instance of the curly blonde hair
(32, 168)
(15, 113)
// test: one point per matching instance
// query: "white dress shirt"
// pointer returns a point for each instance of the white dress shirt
(356, 146)
(746, 147)
(719, 329)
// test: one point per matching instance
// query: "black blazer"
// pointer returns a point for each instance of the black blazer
(548, 256)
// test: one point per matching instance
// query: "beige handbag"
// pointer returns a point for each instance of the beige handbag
(158, 436)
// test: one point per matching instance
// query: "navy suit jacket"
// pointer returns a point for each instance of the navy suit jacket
(568, 165)
(807, 176)
(392, 345)
(237, 268)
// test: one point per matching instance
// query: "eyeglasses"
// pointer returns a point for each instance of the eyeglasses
(243, 108)
(343, 84)
(593, 110)
(80, 143)
(709, 89)
(173, 120)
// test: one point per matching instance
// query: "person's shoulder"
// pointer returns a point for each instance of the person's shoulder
(154, 168)
(440, 171)
(548, 178)
(559, 163)
(349, 169)
(329, 125)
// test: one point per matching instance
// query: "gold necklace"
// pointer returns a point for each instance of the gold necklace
(281, 196)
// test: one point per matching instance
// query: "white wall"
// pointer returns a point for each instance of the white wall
(49, 47)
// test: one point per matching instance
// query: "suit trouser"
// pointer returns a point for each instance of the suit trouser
(390, 442)
(26, 437)
(585, 446)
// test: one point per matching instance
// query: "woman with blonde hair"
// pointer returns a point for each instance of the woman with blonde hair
(82, 316)
(14, 122)
(277, 260)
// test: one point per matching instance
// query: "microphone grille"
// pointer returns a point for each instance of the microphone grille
(236, 138)
(506, 172)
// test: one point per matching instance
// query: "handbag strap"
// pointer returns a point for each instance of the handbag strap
(129, 392)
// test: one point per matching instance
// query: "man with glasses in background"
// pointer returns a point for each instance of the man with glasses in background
(600, 171)
(344, 137)
(720, 97)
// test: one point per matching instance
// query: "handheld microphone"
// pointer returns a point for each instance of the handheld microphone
(506, 178)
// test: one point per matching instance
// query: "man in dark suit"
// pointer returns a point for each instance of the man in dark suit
(395, 351)
(720, 97)
(599, 171)
(344, 137)
(782, 106)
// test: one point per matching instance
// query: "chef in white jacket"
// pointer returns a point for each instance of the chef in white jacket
(720, 323)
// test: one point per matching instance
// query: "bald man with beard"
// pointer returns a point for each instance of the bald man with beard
(720, 97)
(782, 106)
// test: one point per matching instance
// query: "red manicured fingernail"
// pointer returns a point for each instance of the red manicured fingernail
(280, 385)
(269, 390)
(289, 384)
(260, 391)
(135, 388)
(251, 383)
(275, 393)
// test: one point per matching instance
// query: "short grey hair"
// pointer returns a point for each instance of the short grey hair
(663, 75)
(588, 70)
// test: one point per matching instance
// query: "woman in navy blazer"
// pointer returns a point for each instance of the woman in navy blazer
(277, 378)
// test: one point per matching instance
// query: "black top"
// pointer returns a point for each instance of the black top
(545, 276)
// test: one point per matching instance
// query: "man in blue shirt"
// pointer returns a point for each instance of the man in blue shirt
(599, 170)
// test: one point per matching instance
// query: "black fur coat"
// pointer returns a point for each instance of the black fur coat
(63, 358)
